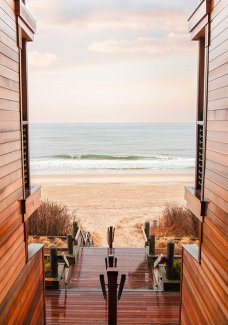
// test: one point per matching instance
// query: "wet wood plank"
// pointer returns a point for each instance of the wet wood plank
(83, 302)
(90, 308)
(132, 262)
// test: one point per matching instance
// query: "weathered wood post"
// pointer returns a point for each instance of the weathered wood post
(110, 236)
(154, 223)
(112, 296)
(147, 229)
(75, 228)
(70, 244)
(170, 258)
(152, 245)
(54, 262)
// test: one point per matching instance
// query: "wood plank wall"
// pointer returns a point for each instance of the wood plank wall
(204, 286)
(12, 245)
(24, 302)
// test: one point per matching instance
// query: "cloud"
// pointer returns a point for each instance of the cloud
(173, 42)
(114, 14)
(38, 59)
(174, 20)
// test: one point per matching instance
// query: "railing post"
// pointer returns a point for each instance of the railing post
(152, 245)
(147, 229)
(75, 228)
(110, 235)
(112, 296)
(70, 244)
(170, 258)
(54, 262)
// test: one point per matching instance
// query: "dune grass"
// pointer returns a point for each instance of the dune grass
(176, 220)
(52, 219)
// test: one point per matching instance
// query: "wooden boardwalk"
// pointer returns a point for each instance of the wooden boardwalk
(83, 302)
(91, 263)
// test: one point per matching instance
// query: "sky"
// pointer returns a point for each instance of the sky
(112, 61)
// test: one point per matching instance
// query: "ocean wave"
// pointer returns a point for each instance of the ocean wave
(108, 157)
(72, 165)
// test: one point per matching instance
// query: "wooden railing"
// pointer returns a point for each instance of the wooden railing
(115, 289)
(83, 239)
(25, 139)
(61, 258)
(199, 162)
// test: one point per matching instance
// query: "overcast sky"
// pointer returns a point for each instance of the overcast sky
(112, 61)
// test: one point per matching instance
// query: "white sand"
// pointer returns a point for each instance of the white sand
(121, 200)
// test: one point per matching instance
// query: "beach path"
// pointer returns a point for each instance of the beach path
(124, 201)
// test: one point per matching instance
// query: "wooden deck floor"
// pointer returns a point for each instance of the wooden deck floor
(91, 263)
(83, 302)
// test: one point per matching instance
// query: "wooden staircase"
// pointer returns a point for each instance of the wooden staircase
(83, 303)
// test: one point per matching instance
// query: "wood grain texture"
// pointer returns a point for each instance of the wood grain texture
(217, 27)
(21, 284)
(218, 115)
(84, 303)
(9, 73)
(218, 72)
(217, 168)
(219, 13)
(10, 178)
(219, 38)
(215, 192)
(7, 51)
(11, 4)
(14, 188)
(11, 239)
(219, 61)
(92, 263)
(10, 21)
(33, 196)
(9, 94)
(203, 303)
(8, 63)
(204, 284)
(133, 308)
(12, 146)
(10, 157)
(24, 303)
(9, 84)
(8, 9)
(220, 81)
(6, 137)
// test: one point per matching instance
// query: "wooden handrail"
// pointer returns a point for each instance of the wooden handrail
(78, 234)
(81, 237)
(102, 282)
(113, 296)
(144, 234)
(110, 261)
(112, 274)
(121, 286)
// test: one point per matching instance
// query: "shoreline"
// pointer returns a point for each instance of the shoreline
(112, 178)
(124, 201)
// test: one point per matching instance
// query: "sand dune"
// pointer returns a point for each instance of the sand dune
(124, 201)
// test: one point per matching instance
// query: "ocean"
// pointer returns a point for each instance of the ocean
(124, 148)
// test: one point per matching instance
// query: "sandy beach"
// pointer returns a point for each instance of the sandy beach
(121, 200)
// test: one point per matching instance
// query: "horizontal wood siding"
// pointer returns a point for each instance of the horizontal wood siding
(203, 290)
(204, 285)
(216, 175)
(24, 303)
(12, 245)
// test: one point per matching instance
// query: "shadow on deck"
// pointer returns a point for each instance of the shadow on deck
(83, 303)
